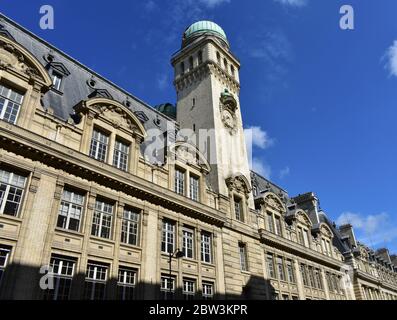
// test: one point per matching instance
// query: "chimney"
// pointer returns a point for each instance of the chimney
(347, 231)
(309, 203)
(384, 253)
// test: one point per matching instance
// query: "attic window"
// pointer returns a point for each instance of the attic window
(56, 80)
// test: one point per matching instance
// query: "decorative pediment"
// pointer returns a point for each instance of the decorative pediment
(100, 93)
(16, 59)
(6, 33)
(60, 68)
(273, 201)
(239, 183)
(326, 231)
(113, 113)
(188, 153)
(141, 116)
(302, 217)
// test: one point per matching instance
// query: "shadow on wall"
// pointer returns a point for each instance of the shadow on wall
(20, 282)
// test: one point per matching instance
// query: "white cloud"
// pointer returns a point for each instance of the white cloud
(213, 3)
(284, 172)
(373, 230)
(260, 167)
(256, 137)
(294, 3)
(162, 81)
(391, 55)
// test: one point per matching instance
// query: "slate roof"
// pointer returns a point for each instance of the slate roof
(76, 85)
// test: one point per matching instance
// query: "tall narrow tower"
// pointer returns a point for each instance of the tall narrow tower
(207, 85)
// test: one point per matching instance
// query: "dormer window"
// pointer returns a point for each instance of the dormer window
(56, 81)
(10, 104)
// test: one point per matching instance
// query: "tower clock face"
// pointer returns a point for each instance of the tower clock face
(228, 119)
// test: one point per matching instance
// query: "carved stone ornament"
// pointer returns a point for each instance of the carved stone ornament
(239, 183)
(116, 116)
(272, 201)
(12, 58)
(227, 108)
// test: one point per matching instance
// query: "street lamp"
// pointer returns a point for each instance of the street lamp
(176, 254)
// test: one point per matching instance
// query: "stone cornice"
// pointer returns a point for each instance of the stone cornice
(38, 148)
(298, 250)
(374, 280)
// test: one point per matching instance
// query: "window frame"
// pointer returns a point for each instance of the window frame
(189, 294)
(186, 241)
(166, 235)
(194, 187)
(94, 151)
(206, 247)
(8, 100)
(59, 275)
(206, 295)
(243, 252)
(179, 181)
(121, 157)
(5, 191)
(125, 288)
(98, 232)
(71, 203)
(7, 256)
(131, 218)
(95, 281)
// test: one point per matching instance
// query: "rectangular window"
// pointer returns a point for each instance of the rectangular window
(206, 250)
(168, 237)
(189, 289)
(10, 104)
(319, 282)
(300, 236)
(99, 145)
(208, 291)
(243, 256)
(188, 243)
(102, 220)
(12, 187)
(270, 222)
(305, 238)
(270, 266)
(56, 81)
(311, 278)
(130, 226)
(167, 288)
(71, 210)
(290, 271)
(194, 188)
(280, 269)
(304, 275)
(238, 210)
(120, 155)
(63, 269)
(278, 226)
(179, 182)
(4, 258)
(95, 281)
(328, 248)
(126, 284)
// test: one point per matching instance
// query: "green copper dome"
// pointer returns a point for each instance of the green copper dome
(201, 27)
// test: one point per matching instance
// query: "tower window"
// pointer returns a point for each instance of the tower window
(190, 63)
(225, 63)
(200, 57)
(232, 70)
(182, 67)
(218, 57)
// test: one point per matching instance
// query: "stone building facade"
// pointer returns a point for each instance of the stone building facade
(118, 200)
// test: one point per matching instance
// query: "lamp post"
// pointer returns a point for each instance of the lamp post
(176, 254)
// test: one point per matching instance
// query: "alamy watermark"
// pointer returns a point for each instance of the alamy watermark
(47, 19)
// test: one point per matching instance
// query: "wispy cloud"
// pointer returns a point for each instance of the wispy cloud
(261, 167)
(162, 81)
(213, 3)
(373, 230)
(256, 137)
(391, 56)
(293, 3)
(273, 53)
(284, 172)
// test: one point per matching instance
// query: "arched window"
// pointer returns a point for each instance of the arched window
(225, 63)
(182, 67)
(190, 63)
(200, 57)
(218, 57)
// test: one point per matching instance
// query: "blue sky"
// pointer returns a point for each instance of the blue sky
(322, 101)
